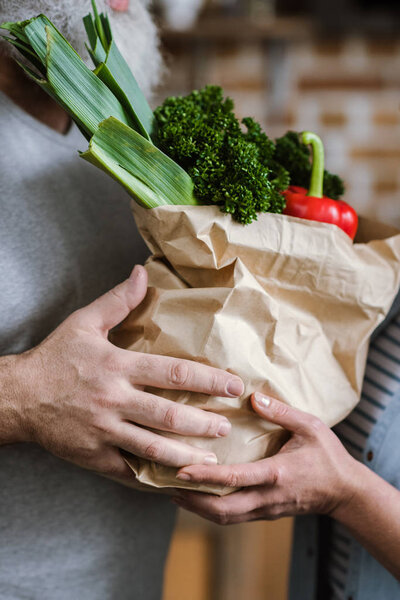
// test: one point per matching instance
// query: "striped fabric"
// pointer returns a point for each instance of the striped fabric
(381, 382)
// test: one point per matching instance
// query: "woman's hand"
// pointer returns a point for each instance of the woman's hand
(312, 473)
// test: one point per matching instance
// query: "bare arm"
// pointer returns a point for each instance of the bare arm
(312, 473)
(82, 398)
(372, 515)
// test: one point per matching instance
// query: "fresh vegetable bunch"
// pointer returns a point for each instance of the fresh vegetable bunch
(232, 168)
(244, 172)
(191, 150)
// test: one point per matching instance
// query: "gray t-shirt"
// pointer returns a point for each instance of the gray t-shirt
(66, 236)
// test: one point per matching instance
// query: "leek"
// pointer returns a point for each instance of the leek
(127, 156)
(106, 104)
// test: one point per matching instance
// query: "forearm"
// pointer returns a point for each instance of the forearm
(12, 428)
(372, 515)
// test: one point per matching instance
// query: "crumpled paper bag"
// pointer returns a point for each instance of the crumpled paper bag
(287, 304)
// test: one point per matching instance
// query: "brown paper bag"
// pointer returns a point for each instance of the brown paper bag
(287, 304)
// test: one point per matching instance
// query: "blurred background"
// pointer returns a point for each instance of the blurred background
(328, 67)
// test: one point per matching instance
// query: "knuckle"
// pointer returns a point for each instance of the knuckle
(88, 455)
(143, 401)
(105, 399)
(114, 470)
(214, 385)
(172, 417)
(153, 451)
(113, 363)
(103, 466)
(276, 475)
(117, 295)
(280, 409)
(210, 426)
(315, 425)
(232, 479)
(148, 405)
(104, 427)
(76, 319)
(223, 520)
(144, 363)
(178, 373)
(274, 512)
(221, 515)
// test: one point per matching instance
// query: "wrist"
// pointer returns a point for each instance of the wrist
(352, 490)
(14, 388)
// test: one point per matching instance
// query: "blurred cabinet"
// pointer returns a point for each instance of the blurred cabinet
(240, 562)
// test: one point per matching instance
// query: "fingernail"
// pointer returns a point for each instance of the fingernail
(262, 401)
(235, 387)
(211, 459)
(224, 428)
(184, 476)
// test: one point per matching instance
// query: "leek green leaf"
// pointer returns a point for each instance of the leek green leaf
(99, 25)
(28, 53)
(117, 75)
(81, 93)
(17, 30)
(138, 190)
(107, 28)
(117, 146)
(85, 94)
(90, 30)
(96, 51)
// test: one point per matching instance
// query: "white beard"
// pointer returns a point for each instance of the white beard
(134, 31)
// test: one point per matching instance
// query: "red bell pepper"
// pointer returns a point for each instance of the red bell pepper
(312, 204)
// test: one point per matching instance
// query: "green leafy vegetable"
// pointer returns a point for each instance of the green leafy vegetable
(229, 167)
(295, 157)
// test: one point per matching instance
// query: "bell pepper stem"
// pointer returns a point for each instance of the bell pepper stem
(317, 172)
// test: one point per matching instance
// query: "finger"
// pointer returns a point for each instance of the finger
(231, 520)
(109, 310)
(223, 510)
(173, 374)
(263, 472)
(113, 466)
(165, 415)
(290, 418)
(162, 450)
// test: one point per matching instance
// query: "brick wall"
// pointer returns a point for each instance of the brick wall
(348, 91)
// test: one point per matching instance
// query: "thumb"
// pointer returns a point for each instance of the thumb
(282, 414)
(109, 310)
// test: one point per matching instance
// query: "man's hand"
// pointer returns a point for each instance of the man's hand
(312, 473)
(82, 398)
